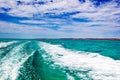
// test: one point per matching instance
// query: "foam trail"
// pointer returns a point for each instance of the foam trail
(11, 63)
(70, 77)
(18, 66)
(85, 65)
(5, 44)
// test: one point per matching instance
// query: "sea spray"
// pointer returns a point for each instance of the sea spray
(83, 64)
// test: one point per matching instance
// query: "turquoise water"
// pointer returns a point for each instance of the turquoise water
(109, 48)
(59, 59)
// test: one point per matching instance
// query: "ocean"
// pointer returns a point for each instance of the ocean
(59, 59)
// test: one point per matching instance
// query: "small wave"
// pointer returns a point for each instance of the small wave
(11, 63)
(5, 44)
(28, 70)
(85, 65)
(70, 77)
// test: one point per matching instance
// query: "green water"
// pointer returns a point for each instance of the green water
(59, 60)
(109, 48)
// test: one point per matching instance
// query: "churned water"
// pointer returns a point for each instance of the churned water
(59, 60)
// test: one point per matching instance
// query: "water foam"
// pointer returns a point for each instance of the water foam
(70, 77)
(83, 64)
(5, 44)
(11, 63)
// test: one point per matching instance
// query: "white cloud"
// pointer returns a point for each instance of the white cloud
(104, 12)
(87, 9)
(63, 31)
(56, 6)
(33, 21)
(6, 27)
(103, 18)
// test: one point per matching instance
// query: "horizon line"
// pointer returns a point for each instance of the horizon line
(66, 38)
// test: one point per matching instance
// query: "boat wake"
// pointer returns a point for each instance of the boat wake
(36, 60)
(82, 65)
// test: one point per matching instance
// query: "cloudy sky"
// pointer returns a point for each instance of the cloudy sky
(59, 18)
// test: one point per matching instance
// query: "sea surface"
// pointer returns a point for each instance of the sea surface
(59, 59)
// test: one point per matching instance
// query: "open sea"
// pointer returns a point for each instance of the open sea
(59, 59)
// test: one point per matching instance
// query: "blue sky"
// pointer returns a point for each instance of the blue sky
(59, 19)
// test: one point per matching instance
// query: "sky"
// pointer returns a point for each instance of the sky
(59, 18)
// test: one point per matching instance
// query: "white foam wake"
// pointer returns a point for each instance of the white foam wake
(11, 63)
(88, 65)
(5, 44)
